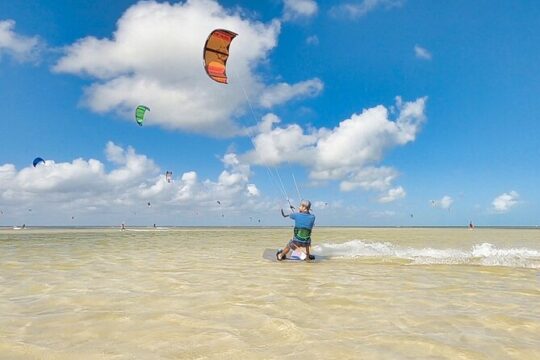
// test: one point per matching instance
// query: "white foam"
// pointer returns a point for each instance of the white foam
(479, 254)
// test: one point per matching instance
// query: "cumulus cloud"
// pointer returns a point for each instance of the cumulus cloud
(504, 202)
(393, 195)
(355, 10)
(134, 179)
(370, 178)
(154, 58)
(283, 92)
(299, 8)
(20, 47)
(422, 53)
(444, 203)
(349, 153)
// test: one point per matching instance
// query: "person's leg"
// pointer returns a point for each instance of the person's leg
(283, 254)
(308, 255)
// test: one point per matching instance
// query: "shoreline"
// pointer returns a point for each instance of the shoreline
(179, 227)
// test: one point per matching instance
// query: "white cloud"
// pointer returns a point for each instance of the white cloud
(154, 58)
(274, 145)
(20, 47)
(422, 53)
(299, 8)
(370, 178)
(504, 202)
(393, 195)
(348, 152)
(444, 203)
(359, 9)
(319, 205)
(85, 186)
(283, 92)
(312, 40)
(252, 190)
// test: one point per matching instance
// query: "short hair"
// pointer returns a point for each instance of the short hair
(306, 204)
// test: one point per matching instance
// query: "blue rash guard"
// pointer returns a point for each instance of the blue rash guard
(303, 224)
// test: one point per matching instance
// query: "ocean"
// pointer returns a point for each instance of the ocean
(207, 293)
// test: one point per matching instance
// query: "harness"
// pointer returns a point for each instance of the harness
(302, 235)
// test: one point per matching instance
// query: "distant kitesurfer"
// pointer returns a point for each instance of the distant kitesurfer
(303, 224)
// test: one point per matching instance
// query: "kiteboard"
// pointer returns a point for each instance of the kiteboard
(292, 256)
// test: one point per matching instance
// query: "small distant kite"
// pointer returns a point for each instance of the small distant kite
(168, 176)
(139, 114)
(219, 202)
(216, 53)
(37, 161)
(148, 203)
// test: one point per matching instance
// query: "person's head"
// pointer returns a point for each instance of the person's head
(305, 205)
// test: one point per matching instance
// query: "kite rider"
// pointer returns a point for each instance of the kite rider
(303, 224)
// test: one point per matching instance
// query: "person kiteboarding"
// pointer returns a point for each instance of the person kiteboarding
(303, 225)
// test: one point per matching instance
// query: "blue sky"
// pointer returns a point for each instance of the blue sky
(385, 112)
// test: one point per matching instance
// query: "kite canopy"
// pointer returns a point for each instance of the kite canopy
(37, 161)
(139, 114)
(216, 53)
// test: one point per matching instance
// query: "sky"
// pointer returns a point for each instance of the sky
(381, 112)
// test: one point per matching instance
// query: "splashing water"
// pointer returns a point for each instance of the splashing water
(485, 254)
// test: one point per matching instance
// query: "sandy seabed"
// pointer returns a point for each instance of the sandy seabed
(207, 294)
